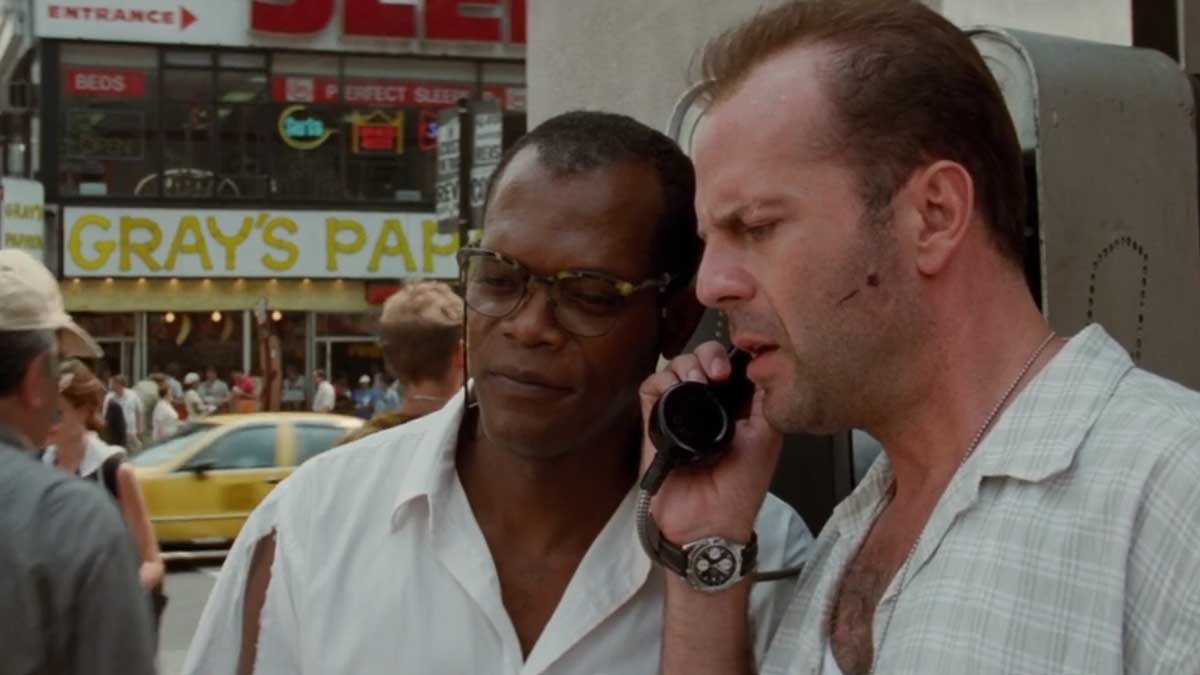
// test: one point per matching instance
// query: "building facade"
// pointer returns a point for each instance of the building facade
(200, 159)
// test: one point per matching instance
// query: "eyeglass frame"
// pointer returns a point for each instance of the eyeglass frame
(626, 288)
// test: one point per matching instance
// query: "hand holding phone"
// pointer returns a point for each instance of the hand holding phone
(694, 421)
(705, 496)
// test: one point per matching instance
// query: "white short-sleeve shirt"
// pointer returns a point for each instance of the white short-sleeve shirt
(380, 567)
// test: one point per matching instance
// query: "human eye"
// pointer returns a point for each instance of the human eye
(594, 296)
(758, 231)
(494, 276)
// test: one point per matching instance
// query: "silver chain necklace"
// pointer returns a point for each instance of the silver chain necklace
(983, 428)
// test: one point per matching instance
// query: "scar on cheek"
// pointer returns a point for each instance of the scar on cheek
(852, 294)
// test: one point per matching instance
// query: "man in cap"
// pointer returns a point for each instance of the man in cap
(192, 400)
(69, 593)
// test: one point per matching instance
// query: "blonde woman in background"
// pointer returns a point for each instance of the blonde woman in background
(76, 448)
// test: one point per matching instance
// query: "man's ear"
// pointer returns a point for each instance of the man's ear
(459, 358)
(943, 198)
(680, 314)
(38, 387)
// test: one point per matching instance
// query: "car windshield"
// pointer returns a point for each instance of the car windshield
(170, 448)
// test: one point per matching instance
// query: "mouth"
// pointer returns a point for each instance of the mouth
(527, 382)
(754, 345)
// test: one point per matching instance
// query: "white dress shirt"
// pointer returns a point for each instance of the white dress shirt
(165, 421)
(380, 567)
(131, 408)
(1068, 543)
(325, 398)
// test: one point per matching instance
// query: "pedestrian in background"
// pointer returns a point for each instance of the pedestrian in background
(115, 428)
(78, 450)
(365, 398)
(293, 390)
(131, 409)
(324, 398)
(214, 390)
(69, 593)
(166, 418)
(193, 402)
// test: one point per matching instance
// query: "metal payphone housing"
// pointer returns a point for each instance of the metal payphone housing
(1109, 138)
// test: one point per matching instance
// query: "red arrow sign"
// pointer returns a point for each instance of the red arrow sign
(186, 18)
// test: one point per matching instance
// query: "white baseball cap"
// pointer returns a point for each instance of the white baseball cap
(30, 300)
(191, 378)
(365, 379)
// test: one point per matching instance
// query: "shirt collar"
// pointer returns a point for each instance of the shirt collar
(431, 470)
(1038, 435)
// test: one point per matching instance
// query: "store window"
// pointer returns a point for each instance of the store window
(109, 120)
(505, 82)
(348, 348)
(117, 337)
(195, 341)
(186, 123)
(290, 328)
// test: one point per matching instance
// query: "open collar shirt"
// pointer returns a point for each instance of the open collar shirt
(380, 567)
(1068, 543)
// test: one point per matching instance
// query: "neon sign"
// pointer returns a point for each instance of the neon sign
(301, 130)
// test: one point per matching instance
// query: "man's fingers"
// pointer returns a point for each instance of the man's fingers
(714, 359)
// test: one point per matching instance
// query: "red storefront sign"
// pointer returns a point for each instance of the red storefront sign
(390, 93)
(474, 20)
(109, 82)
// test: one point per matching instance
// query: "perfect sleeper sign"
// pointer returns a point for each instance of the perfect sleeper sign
(118, 242)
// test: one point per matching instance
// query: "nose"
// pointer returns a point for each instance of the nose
(532, 323)
(722, 282)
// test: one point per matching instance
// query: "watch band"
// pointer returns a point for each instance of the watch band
(675, 558)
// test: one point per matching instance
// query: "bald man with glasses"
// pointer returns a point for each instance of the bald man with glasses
(497, 535)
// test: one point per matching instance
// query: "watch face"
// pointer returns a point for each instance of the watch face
(712, 564)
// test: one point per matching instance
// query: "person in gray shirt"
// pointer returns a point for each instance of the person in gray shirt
(69, 593)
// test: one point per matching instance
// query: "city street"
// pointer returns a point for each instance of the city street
(188, 586)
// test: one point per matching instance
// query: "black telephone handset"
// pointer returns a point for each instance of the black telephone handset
(693, 422)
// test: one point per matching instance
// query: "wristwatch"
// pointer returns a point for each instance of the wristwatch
(711, 564)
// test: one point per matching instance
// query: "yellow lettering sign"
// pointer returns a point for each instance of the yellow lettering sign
(392, 227)
(230, 244)
(293, 252)
(334, 245)
(143, 249)
(198, 246)
(429, 230)
(104, 249)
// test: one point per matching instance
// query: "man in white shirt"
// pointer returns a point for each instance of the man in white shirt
(497, 535)
(131, 407)
(324, 398)
(861, 193)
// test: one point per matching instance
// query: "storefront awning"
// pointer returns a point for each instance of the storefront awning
(183, 295)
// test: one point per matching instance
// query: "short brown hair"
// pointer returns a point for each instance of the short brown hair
(419, 329)
(82, 389)
(907, 88)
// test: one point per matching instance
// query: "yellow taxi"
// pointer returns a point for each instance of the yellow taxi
(201, 484)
